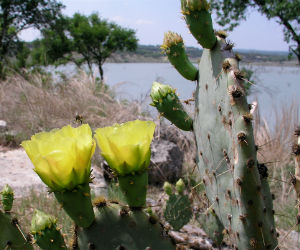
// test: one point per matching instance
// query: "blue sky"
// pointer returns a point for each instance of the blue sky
(151, 18)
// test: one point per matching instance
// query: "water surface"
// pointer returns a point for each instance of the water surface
(275, 86)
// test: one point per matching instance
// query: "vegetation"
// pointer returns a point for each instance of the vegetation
(32, 104)
(18, 15)
(286, 13)
(237, 163)
(83, 40)
(235, 179)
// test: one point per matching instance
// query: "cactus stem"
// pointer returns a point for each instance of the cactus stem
(173, 47)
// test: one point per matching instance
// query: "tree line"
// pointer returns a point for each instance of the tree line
(91, 40)
(82, 40)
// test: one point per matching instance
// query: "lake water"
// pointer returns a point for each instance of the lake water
(274, 87)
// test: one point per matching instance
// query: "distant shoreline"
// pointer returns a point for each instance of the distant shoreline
(287, 63)
(153, 54)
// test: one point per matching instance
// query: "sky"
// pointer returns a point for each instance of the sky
(152, 18)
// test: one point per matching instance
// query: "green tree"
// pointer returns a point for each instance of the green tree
(285, 12)
(18, 15)
(84, 40)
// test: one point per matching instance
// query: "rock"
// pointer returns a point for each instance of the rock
(98, 185)
(3, 126)
(166, 162)
(191, 237)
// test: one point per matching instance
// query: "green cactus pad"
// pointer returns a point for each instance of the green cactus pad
(10, 236)
(77, 204)
(178, 211)
(212, 225)
(7, 198)
(45, 233)
(173, 47)
(134, 188)
(117, 227)
(226, 152)
(168, 104)
(199, 21)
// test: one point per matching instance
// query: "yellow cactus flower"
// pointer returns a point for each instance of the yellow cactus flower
(126, 146)
(62, 157)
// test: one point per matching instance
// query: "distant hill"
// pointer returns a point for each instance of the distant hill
(152, 53)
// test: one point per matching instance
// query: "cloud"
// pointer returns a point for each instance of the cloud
(119, 19)
(143, 22)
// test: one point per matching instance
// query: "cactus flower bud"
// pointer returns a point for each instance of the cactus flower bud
(179, 186)
(62, 157)
(45, 233)
(7, 198)
(168, 104)
(171, 39)
(168, 188)
(40, 221)
(126, 146)
(160, 91)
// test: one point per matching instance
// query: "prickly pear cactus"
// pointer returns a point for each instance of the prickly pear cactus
(178, 211)
(45, 232)
(119, 227)
(104, 225)
(11, 236)
(226, 153)
(7, 198)
(168, 104)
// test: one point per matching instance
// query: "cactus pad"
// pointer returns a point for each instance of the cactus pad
(10, 236)
(117, 227)
(178, 211)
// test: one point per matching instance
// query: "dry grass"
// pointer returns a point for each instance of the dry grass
(34, 104)
(275, 150)
(275, 147)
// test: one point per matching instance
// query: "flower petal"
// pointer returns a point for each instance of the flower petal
(126, 147)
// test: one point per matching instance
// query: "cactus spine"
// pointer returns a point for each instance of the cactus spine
(226, 154)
